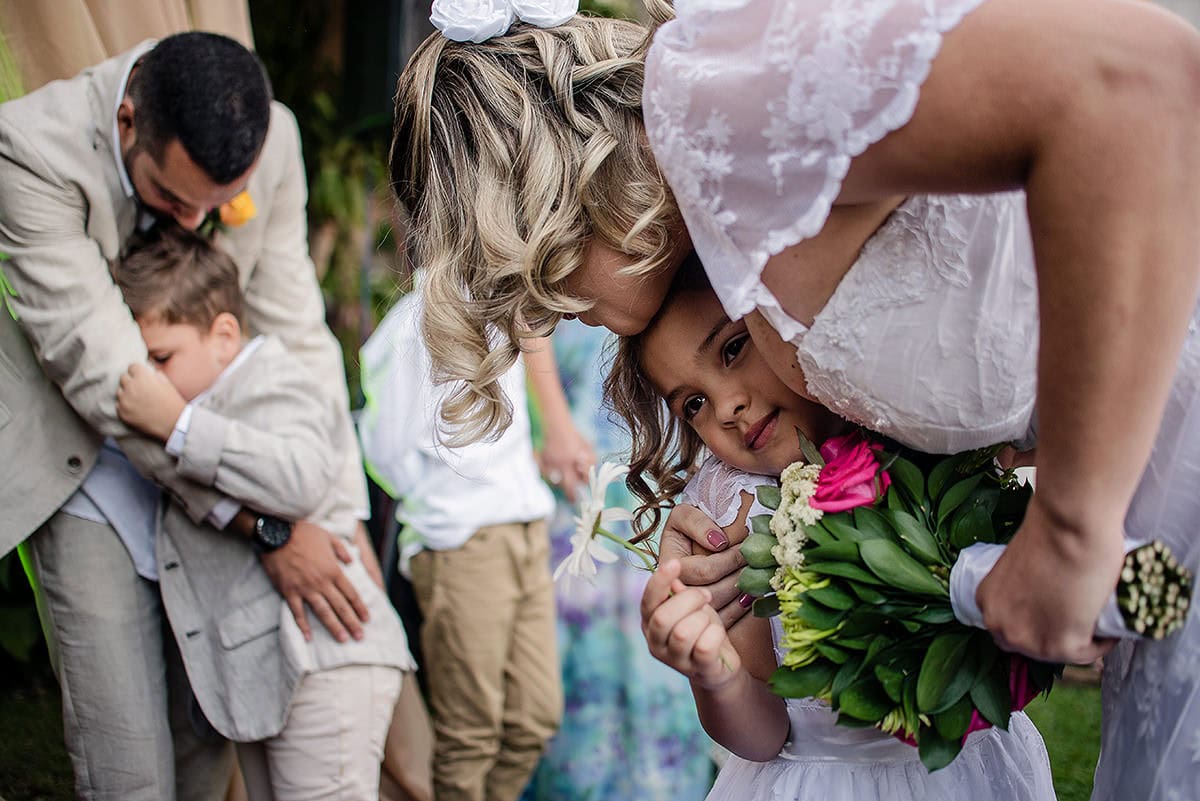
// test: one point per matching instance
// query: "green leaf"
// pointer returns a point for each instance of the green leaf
(872, 524)
(865, 593)
(812, 454)
(952, 723)
(908, 477)
(892, 682)
(991, 696)
(840, 526)
(810, 681)
(918, 539)
(908, 703)
(936, 751)
(896, 568)
(854, 643)
(769, 496)
(767, 606)
(19, 631)
(844, 570)
(865, 699)
(956, 495)
(974, 525)
(831, 652)
(894, 501)
(935, 615)
(942, 660)
(939, 475)
(761, 524)
(818, 617)
(756, 550)
(845, 676)
(833, 552)
(832, 596)
(756, 580)
(818, 535)
(961, 680)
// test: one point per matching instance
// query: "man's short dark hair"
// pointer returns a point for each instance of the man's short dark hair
(210, 93)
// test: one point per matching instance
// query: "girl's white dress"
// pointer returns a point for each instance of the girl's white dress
(754, 110)
(825, 762)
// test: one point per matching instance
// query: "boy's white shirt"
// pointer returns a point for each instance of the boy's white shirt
(445, 494)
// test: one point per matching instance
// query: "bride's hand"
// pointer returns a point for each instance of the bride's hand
(1044, 595)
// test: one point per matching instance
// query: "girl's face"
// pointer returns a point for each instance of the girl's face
(713, 378)
(624, 304)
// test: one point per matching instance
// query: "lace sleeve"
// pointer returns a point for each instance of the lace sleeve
(715, 488)
(755, 109)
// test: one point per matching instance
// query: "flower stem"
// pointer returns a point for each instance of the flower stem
(627, 545)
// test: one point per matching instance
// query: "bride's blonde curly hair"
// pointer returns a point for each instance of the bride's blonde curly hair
(508, 157)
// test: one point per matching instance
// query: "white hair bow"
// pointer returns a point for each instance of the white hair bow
(480, 20)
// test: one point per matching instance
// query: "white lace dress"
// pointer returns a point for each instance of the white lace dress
(825, 762)
(754, 110)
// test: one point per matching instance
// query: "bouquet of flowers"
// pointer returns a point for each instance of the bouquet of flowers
(857, 559)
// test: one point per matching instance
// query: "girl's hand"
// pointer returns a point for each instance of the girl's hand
(683, 630)
(149, 402)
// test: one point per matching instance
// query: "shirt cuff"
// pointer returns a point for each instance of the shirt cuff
(223, 512)
(178, 437)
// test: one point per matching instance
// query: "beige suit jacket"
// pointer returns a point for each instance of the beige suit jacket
(265, 432)
(69, 336)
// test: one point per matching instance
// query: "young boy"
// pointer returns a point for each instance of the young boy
(476, 546)
(246, 417)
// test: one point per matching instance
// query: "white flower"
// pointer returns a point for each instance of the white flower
(480, 20)
(472, 20)
(586, 550)
(545, 13)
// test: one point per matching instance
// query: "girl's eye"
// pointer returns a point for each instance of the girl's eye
(159, 359)
(733, 349)
(692, 406)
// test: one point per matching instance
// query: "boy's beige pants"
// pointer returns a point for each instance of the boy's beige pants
(491, 658)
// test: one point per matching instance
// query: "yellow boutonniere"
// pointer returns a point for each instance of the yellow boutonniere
(238, 211)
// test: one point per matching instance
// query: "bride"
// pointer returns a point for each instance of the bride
(813, 151)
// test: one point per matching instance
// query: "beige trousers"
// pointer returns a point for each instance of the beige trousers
(332, 745)
(490, 654)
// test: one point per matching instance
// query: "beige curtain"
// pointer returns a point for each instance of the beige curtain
(52, 39)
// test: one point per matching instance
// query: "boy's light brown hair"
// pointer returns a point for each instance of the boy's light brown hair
(177, 276)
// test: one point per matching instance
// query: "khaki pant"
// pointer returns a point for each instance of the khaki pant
(491, 658)
(124, 690)
(333, 742)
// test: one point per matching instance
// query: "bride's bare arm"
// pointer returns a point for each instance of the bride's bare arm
(1091, 106)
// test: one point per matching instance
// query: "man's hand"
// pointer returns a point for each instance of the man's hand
(149, 402)
(306, 571)
(1044, 595)
(707, 558)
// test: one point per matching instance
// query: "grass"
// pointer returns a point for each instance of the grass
(1069, 720)
(34, 766)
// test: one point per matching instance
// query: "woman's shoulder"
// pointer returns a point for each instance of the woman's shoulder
(755, 110)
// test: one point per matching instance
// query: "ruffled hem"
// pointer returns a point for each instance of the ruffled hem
(993, 766)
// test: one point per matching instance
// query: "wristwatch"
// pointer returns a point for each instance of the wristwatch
(270, 533)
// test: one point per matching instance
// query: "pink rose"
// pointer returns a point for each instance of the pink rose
(848, 478)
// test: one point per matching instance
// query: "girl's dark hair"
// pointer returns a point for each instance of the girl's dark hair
(663, 448)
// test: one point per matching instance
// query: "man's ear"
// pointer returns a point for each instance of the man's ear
(125, 123)
(227, 333)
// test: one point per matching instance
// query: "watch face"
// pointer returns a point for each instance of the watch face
(271, 532)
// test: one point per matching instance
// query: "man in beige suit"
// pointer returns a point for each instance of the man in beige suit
(167, 130)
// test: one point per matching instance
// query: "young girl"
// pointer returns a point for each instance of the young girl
(693, 380)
